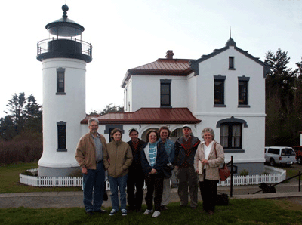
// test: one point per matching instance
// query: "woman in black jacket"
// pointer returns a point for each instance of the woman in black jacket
(154, 160)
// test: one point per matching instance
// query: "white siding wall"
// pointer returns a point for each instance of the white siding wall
(193, 89)
(128, 96)
(197, 93)
(219, 65)
(253, 136)
(146, 91)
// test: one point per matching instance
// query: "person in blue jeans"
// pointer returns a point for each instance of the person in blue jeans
(117, 159)
(89, 155)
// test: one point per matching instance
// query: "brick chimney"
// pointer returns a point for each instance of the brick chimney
(169, 54)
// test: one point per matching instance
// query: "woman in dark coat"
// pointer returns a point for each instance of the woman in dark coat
(154, 159)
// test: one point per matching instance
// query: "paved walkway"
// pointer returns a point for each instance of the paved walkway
(75, 199)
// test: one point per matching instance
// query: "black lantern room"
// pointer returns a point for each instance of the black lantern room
(65, 41)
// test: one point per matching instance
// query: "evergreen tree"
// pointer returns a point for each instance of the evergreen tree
(282, 104)
(23, 114)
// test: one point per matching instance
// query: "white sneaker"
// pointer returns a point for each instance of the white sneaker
(156, 214)
(113, 212)
(148, 211)
(124, 212)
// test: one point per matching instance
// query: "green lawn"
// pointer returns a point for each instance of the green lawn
(10, 181)
(238, 212)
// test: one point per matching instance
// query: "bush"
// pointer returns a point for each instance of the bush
(244, 173)
(26, 147)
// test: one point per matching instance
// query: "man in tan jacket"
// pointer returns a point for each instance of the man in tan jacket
(89, 154)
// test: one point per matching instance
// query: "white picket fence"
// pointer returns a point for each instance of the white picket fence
(51, 181)
(253, 179)
(276, 177)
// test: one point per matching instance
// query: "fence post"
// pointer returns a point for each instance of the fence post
(231, 185)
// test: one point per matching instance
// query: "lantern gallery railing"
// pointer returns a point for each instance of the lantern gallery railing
(73, 46)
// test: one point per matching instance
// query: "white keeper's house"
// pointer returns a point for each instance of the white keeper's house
(224, 90)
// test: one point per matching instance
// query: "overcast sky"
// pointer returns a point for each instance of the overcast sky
(129, 33)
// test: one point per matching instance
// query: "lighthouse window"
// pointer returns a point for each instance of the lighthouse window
(60, 81)
(61, 130)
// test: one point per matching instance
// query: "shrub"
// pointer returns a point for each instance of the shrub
(26, 147)
(244, 173)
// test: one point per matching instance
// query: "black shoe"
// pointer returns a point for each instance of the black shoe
(138, 210)
(89, 213)
(100, 211)
(163, 208)
(131, 208)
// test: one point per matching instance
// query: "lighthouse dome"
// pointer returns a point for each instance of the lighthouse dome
(64, 26)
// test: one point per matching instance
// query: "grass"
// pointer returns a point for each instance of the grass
(291, 171)
(10, 181)
(238, 212)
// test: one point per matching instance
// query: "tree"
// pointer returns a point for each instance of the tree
(283, 107)
(109, 108)
(7, 128)
(112, 108)
(23, 114)
(33, 115)
(17, 111)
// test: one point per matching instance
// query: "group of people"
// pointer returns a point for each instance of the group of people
(153, 162)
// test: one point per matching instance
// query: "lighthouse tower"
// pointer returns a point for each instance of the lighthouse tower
(64, 56)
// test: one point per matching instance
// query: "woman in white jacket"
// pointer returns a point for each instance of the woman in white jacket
(209, 157)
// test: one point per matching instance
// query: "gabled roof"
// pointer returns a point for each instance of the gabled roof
(184, 67)
(148, 116)
(162, 66)
(194, 64)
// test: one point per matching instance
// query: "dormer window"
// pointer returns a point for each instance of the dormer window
(231, 63)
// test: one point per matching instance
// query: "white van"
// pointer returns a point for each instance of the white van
(279, 155)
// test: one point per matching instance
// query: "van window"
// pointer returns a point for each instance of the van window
(273, 151)
(287, 152)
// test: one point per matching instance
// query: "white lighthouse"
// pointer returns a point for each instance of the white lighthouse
(64, 56)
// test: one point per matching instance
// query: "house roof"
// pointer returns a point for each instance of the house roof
(148, 116)
(162, 66)
(183, 67)
(194, 64)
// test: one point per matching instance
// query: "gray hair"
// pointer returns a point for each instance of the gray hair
(93, 119)
(207, 130)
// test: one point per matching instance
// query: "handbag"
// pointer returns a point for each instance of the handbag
(224, 172)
